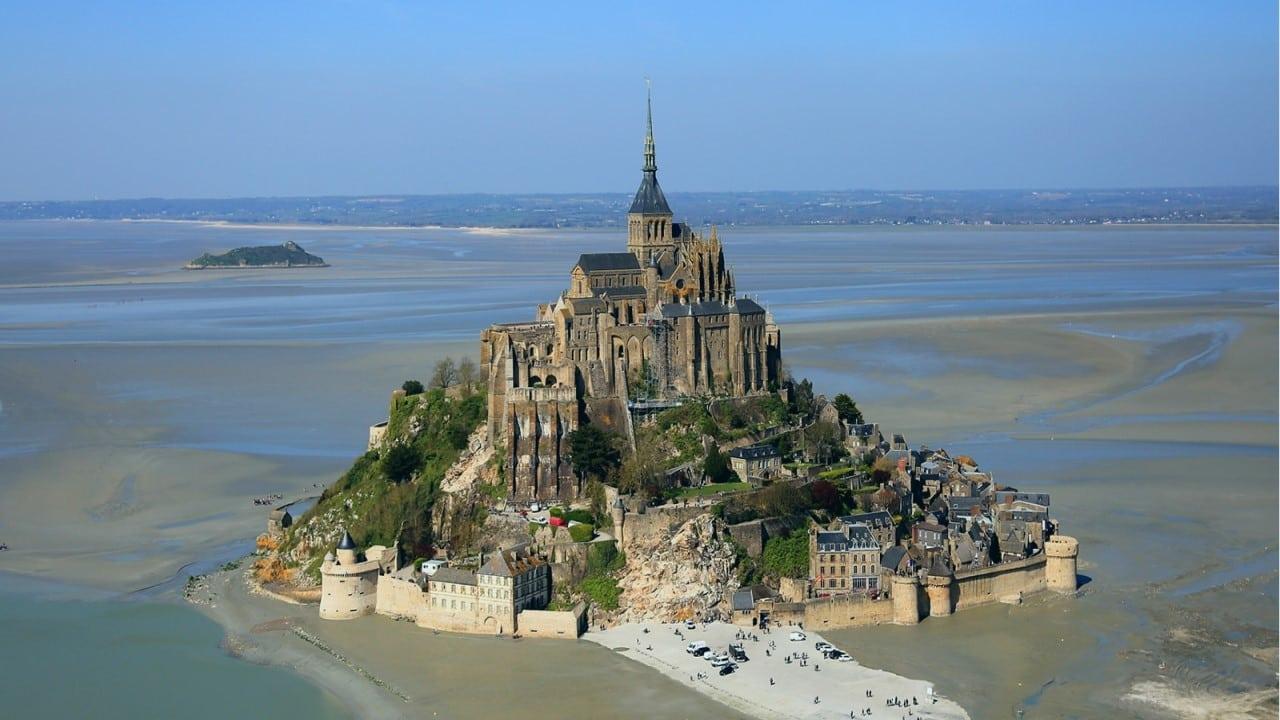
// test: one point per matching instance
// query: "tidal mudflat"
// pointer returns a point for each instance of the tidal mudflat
(1129, 371)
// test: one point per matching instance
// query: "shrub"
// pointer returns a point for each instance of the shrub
(412, 387)
(581, 516)
(557, 511)
(581, 532)
(399, 462)
(787, 556)
(603, 591)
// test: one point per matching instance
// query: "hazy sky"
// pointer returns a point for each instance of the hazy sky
(215, 99)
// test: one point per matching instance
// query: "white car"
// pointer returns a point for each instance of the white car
(719, 661)
(845, 657)
(823, 646)
(688, 625)
(797, 636)
(695, 646)
(538, 520)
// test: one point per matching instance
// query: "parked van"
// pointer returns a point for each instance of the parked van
(693, 647)
(797, 636)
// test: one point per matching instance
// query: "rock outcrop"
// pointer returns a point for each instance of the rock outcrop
(688, 574)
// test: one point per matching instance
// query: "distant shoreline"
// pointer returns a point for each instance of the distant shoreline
(507, 230)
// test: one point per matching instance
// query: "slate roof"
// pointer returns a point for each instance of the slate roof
(454, 575)
(892, 557)
(598, 262)
(1003, 497)
(747, 306)
(745, 599)
(346, 543)
(754, 452)
(649, 198)
(879, 518)
(832, 541)
(711, 307)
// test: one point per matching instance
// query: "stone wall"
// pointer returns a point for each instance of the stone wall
(564, 624)
(399, 597)
(656, 522)
(846, 611)
(988, 585)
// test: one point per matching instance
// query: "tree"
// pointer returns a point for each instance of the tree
(643, 473)
(823, 441)
(593, 452)
(468, 373)
(412, 387)
(716, 466)
(801, 398)
(787, 556)
(848, 409)
(445, 374)
(399, 462)
(825, 495)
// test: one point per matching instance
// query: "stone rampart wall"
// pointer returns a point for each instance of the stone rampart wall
(563, 624)
(348, 596)
(980, 587)
(398, 597)
(844, 612)
(657, 522)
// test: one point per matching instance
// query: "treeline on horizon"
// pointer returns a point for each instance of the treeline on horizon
(852, 207)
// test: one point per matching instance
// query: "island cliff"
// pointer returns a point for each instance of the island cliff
(288, 255)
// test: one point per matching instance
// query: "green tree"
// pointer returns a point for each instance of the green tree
(787, 556)
(716, 466)
(848, 409)
(644, 472)
(593, 452)
(399, 463)
(801, 398)
(822, 440)
(412, 387)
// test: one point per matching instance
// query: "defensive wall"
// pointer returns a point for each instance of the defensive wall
(561, 624)
(400, 598)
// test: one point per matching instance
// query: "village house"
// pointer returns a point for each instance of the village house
(843, 561)
(756, 464)
(879, 522)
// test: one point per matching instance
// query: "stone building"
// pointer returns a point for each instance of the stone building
(661, 321)
(843, 561)
(756, 463)
(489, 600)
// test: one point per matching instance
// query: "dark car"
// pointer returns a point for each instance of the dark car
(701, 651)
(728, 669)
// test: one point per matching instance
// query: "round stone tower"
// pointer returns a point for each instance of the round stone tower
(348, 587)
(905, 592)
(1060, 565)
(939, 595)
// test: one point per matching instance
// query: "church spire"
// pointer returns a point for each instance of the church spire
(650, 158)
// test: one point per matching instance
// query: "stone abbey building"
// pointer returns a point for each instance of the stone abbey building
(639, 328)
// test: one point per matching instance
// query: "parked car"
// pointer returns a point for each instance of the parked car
(538, 520)
(720, 661)
(704, 652)
(728, 669)
(696, 647)
(738, 654)
(845, 657)
(688, 625)
(822, 646)
(797, 636)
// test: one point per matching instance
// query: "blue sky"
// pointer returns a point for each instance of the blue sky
(176, 99)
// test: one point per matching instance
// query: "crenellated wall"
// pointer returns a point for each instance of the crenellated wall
(990, 584)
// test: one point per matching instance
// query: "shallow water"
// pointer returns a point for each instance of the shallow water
(142, 406)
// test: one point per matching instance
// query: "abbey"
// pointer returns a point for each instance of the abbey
(656, 323)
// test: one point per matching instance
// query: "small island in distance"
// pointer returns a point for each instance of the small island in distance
(288, 255)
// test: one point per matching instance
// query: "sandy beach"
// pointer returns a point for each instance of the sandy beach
(767, 686)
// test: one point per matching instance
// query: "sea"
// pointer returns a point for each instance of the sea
(202, 389)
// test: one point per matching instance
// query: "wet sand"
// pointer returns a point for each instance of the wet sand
(1132, 374)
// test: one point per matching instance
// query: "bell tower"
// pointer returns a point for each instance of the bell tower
(649, 231)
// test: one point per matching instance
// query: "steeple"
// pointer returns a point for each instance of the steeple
(650, 158)
(649, 199)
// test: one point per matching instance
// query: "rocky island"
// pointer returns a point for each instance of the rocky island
(636, 465)
(288, 255)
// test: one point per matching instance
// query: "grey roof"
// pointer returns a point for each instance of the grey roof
(649, 198)
(595, 262)
(960, 505)
(710, 307)
(1007, 496)
(346, 543)
(754, 452)
(878, 518)
(892, 557)
(831, 537)
(746, 598)
(865, 430)
(860, 536)
(454, 575)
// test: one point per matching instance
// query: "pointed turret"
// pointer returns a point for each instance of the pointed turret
(649, 219)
